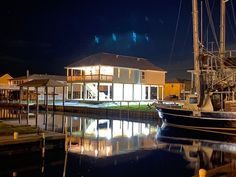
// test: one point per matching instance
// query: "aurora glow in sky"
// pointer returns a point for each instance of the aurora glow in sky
(45, 36)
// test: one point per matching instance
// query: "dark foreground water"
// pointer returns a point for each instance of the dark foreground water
(104, 147)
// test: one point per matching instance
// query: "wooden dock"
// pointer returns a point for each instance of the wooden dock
(27, 143)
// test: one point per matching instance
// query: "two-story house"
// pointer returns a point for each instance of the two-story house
(110, 77)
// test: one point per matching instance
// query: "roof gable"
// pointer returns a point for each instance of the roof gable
(6, 76)
(44, 83)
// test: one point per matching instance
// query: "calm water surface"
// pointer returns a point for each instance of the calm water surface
(117, 147)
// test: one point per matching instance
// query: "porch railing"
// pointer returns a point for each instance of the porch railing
(96, 77)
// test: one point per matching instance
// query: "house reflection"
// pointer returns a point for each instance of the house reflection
(106, 137)
(89, 135)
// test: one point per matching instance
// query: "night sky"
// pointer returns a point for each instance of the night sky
(45, 36)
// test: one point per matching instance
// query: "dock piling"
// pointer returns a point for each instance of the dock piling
(15, 135)
(202, 172)
(43, 145)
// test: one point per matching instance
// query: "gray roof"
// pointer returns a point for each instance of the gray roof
(108, 59)
(43, 83)
(41, 76)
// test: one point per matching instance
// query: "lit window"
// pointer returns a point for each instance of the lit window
(143, 75)
(106, 70)
(118, 73)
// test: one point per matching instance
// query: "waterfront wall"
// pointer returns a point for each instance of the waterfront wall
(135, 115)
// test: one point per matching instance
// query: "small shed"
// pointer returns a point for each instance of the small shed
(45, 83)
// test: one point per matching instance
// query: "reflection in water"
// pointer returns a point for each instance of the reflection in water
(213, 151)
(31, 164)
(108, 147)
(96, 137)
(106, 137)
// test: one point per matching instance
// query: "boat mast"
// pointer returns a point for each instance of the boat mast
(196, 47)
(222, 32)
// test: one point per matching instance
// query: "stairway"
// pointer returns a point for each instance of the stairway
(92, 92)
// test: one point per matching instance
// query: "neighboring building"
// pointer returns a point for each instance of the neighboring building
(28, 77)
(5, 80)
(177, 88)
(110, 77)
(5, 86)
(32, 92)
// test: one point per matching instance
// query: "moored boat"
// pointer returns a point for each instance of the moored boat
(212, 105)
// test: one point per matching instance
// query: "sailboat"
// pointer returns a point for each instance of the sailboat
(212, 104)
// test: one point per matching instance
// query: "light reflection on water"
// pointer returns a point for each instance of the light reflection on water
(98, 137)
(106, 137)
(109, 138)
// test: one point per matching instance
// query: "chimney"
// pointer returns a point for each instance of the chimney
(27, 73)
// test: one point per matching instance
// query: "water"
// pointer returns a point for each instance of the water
(116, 147)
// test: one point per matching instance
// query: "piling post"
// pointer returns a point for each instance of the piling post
(66, 146)
(63, 99)
(53, 121)
(53, 99)
(15, 135)
(43, 152)
(46, 89)
(14, 173)
(43, 145)
(117, 147)
(20, 112)
(37, 106)
(139, 111)
(63, 122)
(27, 105)
(128, 110)
(202, 172)
(20, 96)
(120, 109)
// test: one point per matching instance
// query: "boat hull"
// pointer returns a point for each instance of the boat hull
(211, 121)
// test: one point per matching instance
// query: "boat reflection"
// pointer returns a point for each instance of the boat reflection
(217, 140)
(213, 151)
